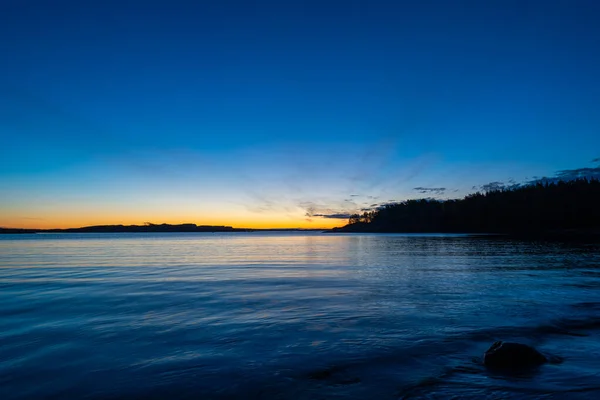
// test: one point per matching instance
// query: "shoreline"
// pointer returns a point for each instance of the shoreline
(139, 229)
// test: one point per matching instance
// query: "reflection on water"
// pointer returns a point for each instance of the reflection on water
(292, 315)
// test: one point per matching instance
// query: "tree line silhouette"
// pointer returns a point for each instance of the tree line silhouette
(539, 207)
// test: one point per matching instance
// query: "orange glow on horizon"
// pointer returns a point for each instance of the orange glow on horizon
(76, 214)
(74, 222)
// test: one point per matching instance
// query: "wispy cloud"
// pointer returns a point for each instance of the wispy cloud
(333, 216)
(434, 190)
(497, 185)
(562, 175)
(579, 173)
(571, 174)
(489, 187)
(314, 210)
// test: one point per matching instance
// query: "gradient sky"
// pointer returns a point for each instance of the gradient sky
(281, 113)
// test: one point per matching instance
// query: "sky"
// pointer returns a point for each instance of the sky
(285, 113)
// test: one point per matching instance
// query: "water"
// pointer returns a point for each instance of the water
(294, 315)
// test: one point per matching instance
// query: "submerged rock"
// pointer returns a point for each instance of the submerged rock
(506, 355)
(333, 376)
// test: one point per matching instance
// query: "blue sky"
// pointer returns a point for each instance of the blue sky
(272, 113)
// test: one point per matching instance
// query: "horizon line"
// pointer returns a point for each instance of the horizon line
(189, 224)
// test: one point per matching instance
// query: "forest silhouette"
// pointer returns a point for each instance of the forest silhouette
(534, 208)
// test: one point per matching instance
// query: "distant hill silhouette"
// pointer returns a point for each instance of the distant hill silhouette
(148, 227)
(535, 208)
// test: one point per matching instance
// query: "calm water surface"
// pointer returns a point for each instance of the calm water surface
(280, 316)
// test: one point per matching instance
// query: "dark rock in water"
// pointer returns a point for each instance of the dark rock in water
(333, 376)
(321, 374)
(506, 355)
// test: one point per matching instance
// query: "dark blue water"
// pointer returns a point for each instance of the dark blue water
(281, 316)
